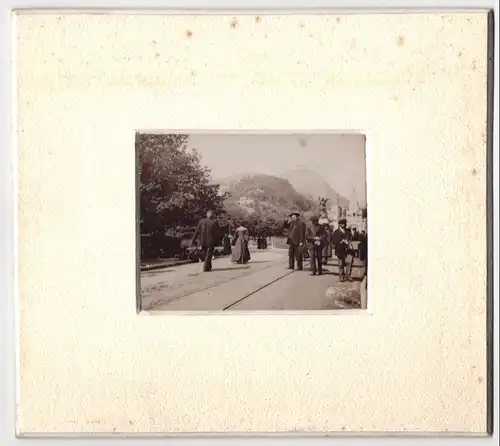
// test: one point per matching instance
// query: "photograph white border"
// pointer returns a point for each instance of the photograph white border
(344, 312)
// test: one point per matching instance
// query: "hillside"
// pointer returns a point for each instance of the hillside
(312, 185)
(227, 183)
(264, 196)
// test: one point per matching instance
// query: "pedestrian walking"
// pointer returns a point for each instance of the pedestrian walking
(316, 240)
(263, 242)
(341, 241)
(260, 242)
(241, 253)
(295, 240)
(208, 233)
(226, 243)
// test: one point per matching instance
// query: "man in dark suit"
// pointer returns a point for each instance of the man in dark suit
(295, 241)
(316, 237)
(208, 232)
(341, 241)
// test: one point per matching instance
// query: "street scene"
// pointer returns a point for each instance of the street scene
(264, 237)
(263, 284)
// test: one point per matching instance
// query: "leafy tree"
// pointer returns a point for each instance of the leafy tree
(175, 188)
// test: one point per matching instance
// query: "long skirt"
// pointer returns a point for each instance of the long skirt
(241, 253)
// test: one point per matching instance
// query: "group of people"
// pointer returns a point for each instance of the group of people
(315, 239)
(208, 233)
(318, 241)
(261, 242)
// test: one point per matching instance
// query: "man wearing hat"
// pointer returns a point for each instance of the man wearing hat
(295, 240)
(316, 238)
(341, 241)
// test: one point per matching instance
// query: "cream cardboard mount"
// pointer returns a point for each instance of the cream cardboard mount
(415, 84)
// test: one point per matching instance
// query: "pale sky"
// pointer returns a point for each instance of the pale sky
(338, 158)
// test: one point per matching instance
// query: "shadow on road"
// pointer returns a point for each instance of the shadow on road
(327, 272)
(353, 266)
(260, 261)
(355, 279)
(230, 268)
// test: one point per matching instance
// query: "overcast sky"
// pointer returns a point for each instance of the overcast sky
(338, 158)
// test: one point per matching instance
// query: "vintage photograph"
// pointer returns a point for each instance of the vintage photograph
(252, 222)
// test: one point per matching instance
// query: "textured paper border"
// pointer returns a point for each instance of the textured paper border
(89, 363)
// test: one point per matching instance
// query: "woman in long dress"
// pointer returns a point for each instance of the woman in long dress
(241, 253)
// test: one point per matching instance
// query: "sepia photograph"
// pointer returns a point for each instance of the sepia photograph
(252, 222)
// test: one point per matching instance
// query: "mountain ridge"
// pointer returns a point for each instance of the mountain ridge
(305, 181)
(311, 184)
(263, 196)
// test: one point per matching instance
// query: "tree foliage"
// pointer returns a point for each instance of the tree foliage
(175, 188)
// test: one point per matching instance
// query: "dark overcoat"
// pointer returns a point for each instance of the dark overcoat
(208, 233)
(296, 232)
(341, 242)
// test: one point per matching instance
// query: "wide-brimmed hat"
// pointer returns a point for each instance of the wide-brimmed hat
(294, 213)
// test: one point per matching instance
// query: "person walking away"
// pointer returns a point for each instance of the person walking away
(316, 240)
(241, 253)
(295, 240)
(259, 242)
(263, 242)
(226, 245)
(341, 241)
(207, 232)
